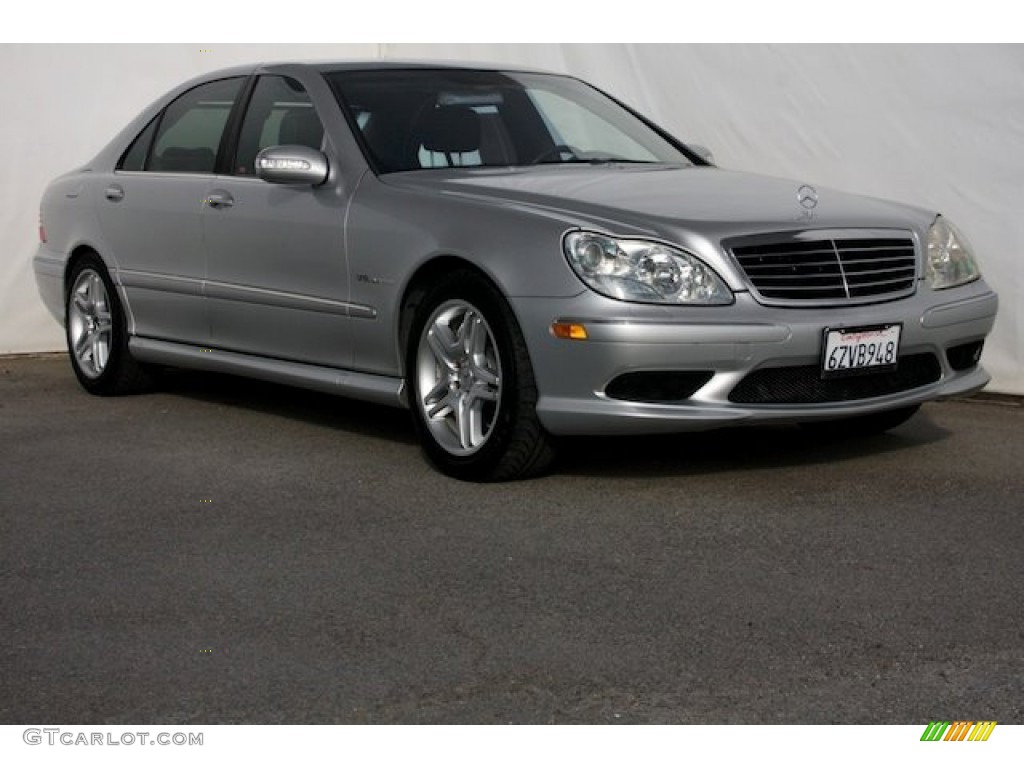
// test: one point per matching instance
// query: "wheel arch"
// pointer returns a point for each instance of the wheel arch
(514, 442)
(79, 252)
(87, 250)
(120, 373)
(416, 288)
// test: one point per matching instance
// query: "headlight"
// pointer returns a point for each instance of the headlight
(949, 261)
(637, 270)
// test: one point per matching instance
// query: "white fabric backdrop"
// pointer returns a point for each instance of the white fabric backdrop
(939, 126)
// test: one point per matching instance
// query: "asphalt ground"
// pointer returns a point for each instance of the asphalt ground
(225, 551)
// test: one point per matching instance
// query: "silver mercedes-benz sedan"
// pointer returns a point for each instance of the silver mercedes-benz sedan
(512, 255)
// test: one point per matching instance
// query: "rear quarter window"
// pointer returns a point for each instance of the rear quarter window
(134, 159)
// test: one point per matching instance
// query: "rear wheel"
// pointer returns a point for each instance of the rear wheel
(863, 426)
(96, 333)
(472, 391)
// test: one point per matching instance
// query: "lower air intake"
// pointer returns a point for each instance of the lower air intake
(803, 384)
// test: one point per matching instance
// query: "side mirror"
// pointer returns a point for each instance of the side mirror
(702, 152)
(292, 164)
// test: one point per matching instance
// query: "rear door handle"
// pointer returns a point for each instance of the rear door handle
(220, 199)
(114, 193)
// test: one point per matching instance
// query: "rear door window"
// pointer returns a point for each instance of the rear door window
(191, 128)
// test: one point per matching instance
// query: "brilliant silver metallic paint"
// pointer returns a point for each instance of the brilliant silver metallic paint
(195, 277)
(292, 165)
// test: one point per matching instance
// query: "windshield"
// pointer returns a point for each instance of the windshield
(416, 119)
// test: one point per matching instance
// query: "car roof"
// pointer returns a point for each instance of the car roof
(335, 66)
(363, 65)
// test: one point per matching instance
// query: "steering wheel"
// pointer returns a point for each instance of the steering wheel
(556, 152)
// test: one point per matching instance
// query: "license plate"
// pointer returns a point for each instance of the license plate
(849, 351)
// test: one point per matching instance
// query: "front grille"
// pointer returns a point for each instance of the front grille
(803, 384)
(826, 271)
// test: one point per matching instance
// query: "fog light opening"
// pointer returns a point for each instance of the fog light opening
(965, 356)
(657, 386)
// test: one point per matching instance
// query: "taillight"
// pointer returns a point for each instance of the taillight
(42, 229)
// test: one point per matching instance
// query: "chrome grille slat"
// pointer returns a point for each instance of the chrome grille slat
(867, 284)
(828, 270)
(848, 262)
(791, 267)
(882, 274)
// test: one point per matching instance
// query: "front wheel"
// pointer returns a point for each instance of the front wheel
(472, 391)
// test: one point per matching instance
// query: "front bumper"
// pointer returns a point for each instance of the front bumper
(730, 343)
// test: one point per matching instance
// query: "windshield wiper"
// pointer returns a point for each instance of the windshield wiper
(610, 160)
(595, 161)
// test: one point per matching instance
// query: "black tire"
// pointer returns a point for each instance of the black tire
(862, 426)
(471, 387)
(97, 335)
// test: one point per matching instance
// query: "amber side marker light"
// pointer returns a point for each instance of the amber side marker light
(576, 331)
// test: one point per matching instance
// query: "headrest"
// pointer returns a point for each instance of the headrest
(302, 127)
(451, 129)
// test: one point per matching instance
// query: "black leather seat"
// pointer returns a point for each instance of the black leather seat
(452, 131)
(301, 126)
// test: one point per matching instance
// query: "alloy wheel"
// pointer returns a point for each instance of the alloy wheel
(458, 372)
(90, 323)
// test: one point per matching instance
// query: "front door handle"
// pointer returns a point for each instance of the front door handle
(114, 193)
(220, 199)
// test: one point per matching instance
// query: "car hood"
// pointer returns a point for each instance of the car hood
(661, 200)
